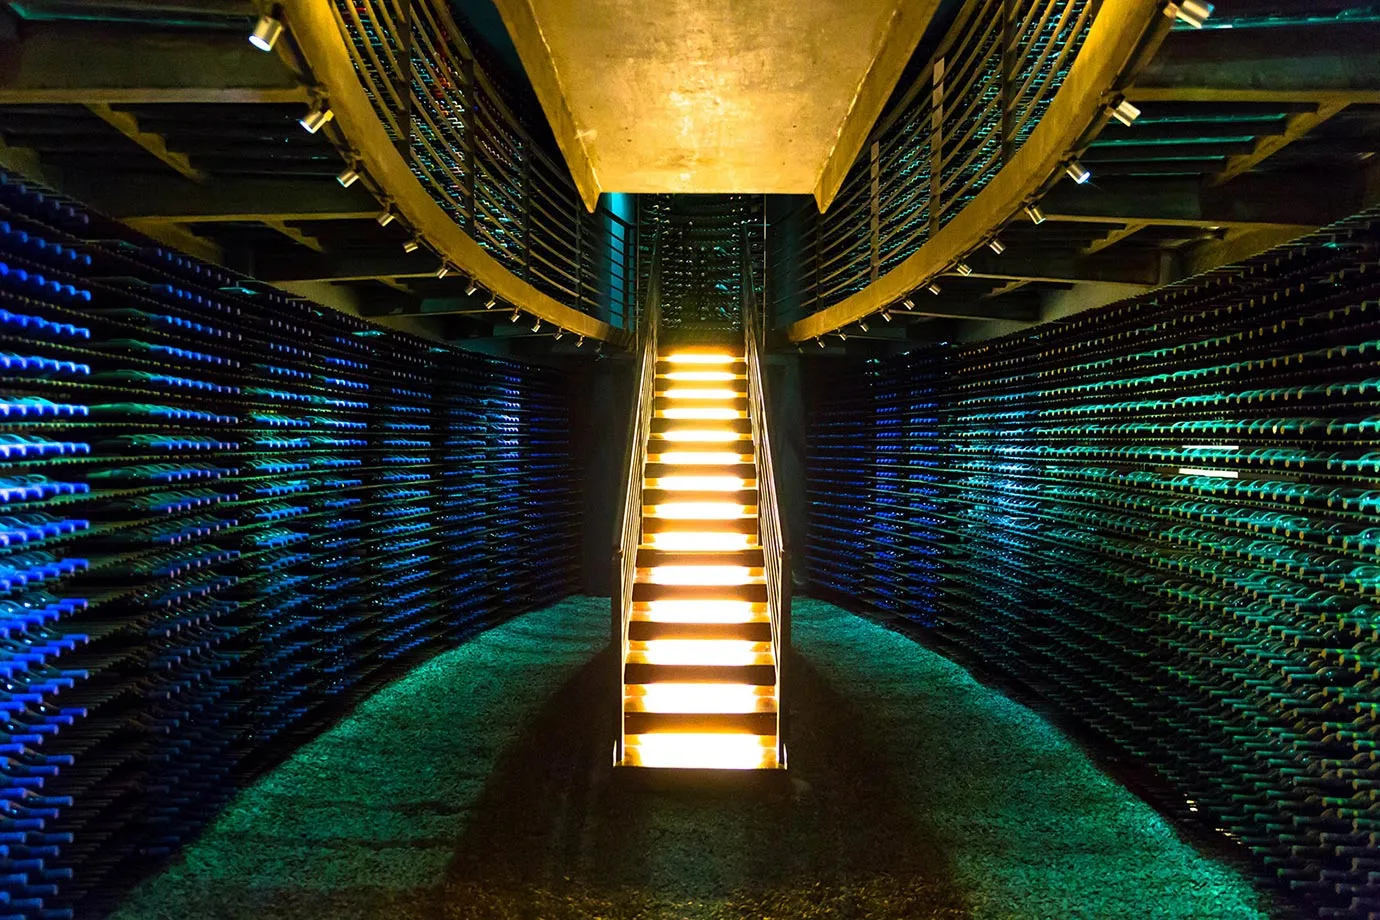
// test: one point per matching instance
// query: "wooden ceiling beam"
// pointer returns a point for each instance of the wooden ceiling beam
(55, 63)
(155, 144)
(1295, 127)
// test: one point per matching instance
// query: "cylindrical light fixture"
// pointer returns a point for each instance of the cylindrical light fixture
(316, 119)
(1125, 112)
(908, 304)
(536, 327)
(517, 314)
(580, 342)
(886, 315)
(862, 324)
(386, 218)
(412, 245)
(996, 245)
(1036, 215)
(443, 270)
(491, 302)
(471, 288)
(348, 176)
(1193, 12)
(1077, 172)
(266, 33)
(964, 269)
(934, 288)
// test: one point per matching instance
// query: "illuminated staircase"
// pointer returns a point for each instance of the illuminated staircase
(701, 681)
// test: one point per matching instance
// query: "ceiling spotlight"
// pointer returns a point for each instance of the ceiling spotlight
(386, 218)
(996, 246)
(1125, 112)
(580, 342)
(862, 324)
(265, 34)
(908, 304)
(843, 336)
(316, 119)
(348, 176)
(517, 314)
(412, 245)
(536, 327)
(469, 291)
(1193, 12)
(963, 269)
(819, 342)
(934, 288)
(886, 315)
(1036, 215)
(491, 302)
(1076, 172)
(443, 270)
(559, 333)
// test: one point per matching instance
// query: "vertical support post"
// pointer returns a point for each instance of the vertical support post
(471, 124)
(936, 144)
(876, 210)
(616, 643)
(784, 652)
(1009, 55)
(405, 78)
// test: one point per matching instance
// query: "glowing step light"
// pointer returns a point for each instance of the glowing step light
(702, 376)
(716, 612)
(703, 751)
(702, 435)
(704, 393)
(699, 358)
(704, 652)
(697, 542)
(726, 575)
(698, 483)
(703, 415)
(702, 698)
(700, 511)
(701, 458)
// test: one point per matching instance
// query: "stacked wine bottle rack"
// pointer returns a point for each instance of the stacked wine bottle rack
(227, 516)
(1161, 519)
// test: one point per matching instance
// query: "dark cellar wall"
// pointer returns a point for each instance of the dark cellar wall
(601, 403)
(1158, 520)
(229, 517)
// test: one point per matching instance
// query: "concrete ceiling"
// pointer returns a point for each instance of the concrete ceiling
(713, 96)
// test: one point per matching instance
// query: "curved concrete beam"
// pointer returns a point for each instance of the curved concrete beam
(318, 38)
(1113, 45)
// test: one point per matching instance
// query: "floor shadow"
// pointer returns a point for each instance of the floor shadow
(555, 834)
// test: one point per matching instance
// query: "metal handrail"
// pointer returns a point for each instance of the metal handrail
(978, 105)
(629, 535)
(776, 559)
(417, 112)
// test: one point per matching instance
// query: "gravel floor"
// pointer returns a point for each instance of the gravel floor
(478, 787)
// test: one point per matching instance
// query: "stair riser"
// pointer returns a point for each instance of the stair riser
(763, 675)
(644, 631)
(646, 592)
(749, 723)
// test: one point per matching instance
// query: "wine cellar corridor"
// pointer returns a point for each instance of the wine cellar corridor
(491, 459)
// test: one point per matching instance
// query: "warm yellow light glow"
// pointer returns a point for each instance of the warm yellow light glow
(734, 698)
(701, 612)
(706, 414)
(700, 575)
(702, 511)
(701, 435)
(696, 542)
(699, 358)
(700, 458)
(703, 751)
(726, 652)
(688, 393)
(701, 483)
(700, 376)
